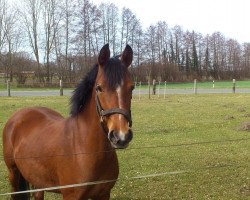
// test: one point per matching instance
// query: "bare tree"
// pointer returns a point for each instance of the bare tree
(161, 36)
(128, 28)
(31, 14)
(150, 43)
(217, 43)
(207, 61)
(68, 34)
(11, 38)
(63, 42)
(138, 42)
(2, 34)
(87, 33)
(50, 29)
(246, 60)
(177, 43)
(110, 19)
(3, 6)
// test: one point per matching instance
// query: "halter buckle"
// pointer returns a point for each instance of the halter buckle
(101, 119)
(101, 116)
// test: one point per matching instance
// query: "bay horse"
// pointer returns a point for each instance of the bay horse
(43, 149)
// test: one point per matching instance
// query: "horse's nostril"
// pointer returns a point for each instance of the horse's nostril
(112, 137)
(110, 134)
(120, 140)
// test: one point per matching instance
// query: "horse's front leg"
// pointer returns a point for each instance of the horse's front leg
(102, 197)
(72, 194)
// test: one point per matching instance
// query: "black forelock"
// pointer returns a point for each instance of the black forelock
(114, 71)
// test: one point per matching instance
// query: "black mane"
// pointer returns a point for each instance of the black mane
(114, 72)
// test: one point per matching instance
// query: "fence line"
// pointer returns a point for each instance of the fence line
(162, 88)
(59, 187)
(120, 179)
(134, 148)
(190, 144)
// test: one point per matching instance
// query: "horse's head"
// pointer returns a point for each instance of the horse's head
(113, 95)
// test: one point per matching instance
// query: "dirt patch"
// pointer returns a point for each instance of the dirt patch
(164, 130)
(242, 109)
(245, 190)
(246, 115)
(245, 126)
(230, 105)
(229, 117)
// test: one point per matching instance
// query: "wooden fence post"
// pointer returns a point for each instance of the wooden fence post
(195, 86)
(165, 88)
(234, 83)
(149, 89)
(61, 88)
(140, 91)
(8, 88)
(159, 86)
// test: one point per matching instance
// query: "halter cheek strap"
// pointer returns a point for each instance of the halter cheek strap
(104, 113)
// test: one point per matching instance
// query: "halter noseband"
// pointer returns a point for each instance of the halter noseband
(103, 113)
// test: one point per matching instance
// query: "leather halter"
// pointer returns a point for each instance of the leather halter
(104, 113)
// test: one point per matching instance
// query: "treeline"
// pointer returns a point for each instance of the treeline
(60, 39)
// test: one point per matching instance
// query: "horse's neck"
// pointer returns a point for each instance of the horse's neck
(89, 128)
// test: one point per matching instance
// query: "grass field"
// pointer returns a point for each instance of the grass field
(216, 170)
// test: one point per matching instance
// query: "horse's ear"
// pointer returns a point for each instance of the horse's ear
(104, 55)
(127, 56)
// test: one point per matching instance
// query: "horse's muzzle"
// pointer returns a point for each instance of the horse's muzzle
(120, 140)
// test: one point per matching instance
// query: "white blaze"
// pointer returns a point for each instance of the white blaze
(119, 95)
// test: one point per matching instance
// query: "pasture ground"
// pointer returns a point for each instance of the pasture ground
(215, 170)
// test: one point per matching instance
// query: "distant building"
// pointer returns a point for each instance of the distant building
(28, 73)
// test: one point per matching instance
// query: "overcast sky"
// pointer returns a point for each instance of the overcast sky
(230, 17)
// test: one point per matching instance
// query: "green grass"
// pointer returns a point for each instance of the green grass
(216, 170)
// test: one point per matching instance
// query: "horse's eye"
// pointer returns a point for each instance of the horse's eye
(98, 88)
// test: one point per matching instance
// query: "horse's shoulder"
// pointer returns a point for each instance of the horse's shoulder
(38, 114)
(47, 111)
